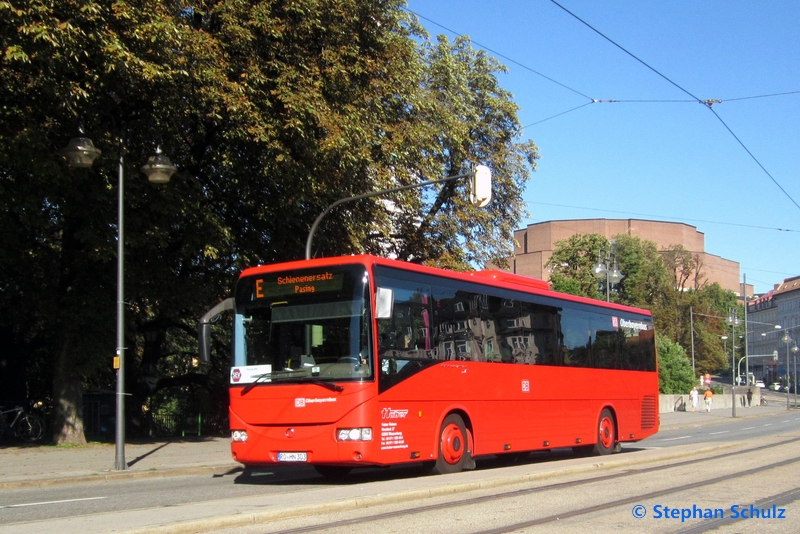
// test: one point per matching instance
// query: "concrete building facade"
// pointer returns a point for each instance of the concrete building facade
(535, 244)
(770, 357)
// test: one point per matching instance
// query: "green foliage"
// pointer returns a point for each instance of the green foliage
(559, 282)
(572, 261)
(646, 282)
(675, 374)
(272, 111)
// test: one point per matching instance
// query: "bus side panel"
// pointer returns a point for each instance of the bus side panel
(514, 407)
(405, 429)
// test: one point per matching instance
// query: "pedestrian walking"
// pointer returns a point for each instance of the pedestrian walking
(695, 397)
(709, 397)
(749, 397)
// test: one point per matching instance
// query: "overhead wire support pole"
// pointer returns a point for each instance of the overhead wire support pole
(483, 170)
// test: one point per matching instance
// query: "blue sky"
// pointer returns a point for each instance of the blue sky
(658, 159)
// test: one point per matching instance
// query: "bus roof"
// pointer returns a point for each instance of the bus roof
(490, 277)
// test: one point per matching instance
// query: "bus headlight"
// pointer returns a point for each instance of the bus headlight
(239, 436)
(354, 434)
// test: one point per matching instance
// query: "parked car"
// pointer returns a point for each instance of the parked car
(760, 384)
(775, 386)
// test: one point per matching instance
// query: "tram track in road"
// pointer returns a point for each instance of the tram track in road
(783, 498)
(646, 497)
(584, 511)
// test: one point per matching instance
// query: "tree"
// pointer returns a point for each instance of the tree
(272, 111)
(646, 283)
(572, 262)
(675, 376)
(709, 306)
(463, 118)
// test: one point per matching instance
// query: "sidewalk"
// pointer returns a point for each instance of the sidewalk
(675, 420)
(38, 466)
(43, 465)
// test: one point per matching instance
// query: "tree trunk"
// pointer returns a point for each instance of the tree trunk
(67, 397)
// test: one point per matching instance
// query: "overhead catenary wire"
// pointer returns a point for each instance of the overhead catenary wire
(498, 54)
(709, 103)
(706, 103)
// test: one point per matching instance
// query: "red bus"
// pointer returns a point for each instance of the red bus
(363, 361)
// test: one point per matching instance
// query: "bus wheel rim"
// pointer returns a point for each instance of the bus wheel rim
(607, 432)
(452, 444)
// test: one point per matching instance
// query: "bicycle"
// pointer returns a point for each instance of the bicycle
(25, 426)
(763, 401)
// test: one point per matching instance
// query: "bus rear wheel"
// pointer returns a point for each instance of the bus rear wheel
(607, 434)
(453, 443)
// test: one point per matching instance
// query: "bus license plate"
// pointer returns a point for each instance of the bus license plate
(292, 457)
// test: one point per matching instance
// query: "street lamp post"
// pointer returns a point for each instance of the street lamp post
(612, 275)
(733, 320)
(80, 152)
(794, 372)
(786, 339)
(794, 385)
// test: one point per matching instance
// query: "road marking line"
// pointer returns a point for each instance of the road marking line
(721, 432)
(748, 428)
(50, 502)
(673, 439)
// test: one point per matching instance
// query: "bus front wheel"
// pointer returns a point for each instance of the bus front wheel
(607, 434)
(453, 446)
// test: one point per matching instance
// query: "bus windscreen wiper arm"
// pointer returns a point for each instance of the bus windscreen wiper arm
(326, 385)
(252, 384)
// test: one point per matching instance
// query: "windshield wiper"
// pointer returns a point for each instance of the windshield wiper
(252, 384)
(307, 379)
(289, 378)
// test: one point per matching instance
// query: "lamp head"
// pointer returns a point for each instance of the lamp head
(80, 152)
(159, 169)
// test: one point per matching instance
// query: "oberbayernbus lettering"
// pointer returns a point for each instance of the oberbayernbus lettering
(636, 325)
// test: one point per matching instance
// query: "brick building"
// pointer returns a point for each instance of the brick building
(535, 245)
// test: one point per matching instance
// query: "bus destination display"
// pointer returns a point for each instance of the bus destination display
(285, 285)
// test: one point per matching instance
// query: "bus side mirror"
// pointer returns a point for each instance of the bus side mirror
(204, 327)
(481, 186)
(384, 303)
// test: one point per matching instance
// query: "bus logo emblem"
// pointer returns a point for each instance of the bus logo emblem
(236, 375)
(526, 386)
(300, 403)
(615, 322)
(388, 413)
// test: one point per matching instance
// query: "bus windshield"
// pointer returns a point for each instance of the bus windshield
(302, 326)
